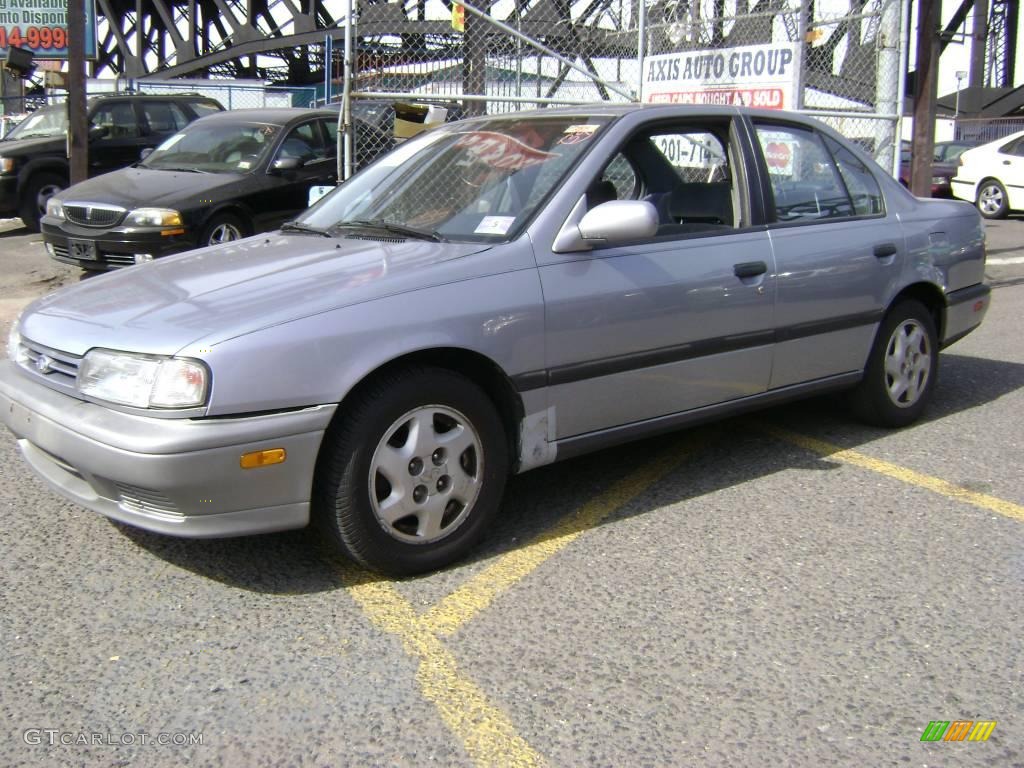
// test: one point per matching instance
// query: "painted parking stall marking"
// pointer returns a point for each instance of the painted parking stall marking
(486, 732)
(934, 484)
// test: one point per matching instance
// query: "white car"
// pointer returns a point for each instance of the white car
(992, 176)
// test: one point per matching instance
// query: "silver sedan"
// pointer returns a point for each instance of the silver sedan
(494, 295)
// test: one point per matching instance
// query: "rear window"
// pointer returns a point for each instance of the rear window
(204, 108)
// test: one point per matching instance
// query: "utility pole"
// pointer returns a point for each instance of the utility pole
(78, 125)
(979, 40)
(926, 86)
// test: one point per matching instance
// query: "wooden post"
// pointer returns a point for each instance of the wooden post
(78, 124)
(925, 92)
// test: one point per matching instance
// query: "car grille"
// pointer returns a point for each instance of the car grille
(52, 364)
(120, 259)
(93, 214)
(145, 501)
(55, 367)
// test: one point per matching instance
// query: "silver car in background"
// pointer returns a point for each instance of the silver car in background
(494, 295)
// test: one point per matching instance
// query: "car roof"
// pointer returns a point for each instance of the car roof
(152, 96)
(657, 110)
(275, 116)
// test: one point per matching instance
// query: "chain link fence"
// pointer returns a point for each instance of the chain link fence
(840, 64)
(985, 130)
(231, 95)
(533, 55)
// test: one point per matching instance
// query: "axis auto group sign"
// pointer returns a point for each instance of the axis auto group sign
(750, 75)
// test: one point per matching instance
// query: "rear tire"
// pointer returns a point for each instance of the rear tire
(409, 479)
(39, 188)
(902, 368)
(992, 201)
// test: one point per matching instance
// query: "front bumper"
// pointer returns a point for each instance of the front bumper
(114, 248)
(174, 476)
(9, 195)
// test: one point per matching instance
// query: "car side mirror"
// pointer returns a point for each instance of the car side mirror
(145, 153)
(611, 223)
(286, 164)
(98, 132)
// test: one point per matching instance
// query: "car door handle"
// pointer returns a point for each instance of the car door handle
(1006, 162)
(750, 269)
(884, 250)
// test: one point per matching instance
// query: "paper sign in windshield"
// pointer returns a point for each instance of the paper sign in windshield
(500, 151)
(494, 225)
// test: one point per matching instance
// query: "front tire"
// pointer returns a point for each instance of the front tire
(992, 202)
(39, 189)
(223, 228)
(902, 368)
(409, 479)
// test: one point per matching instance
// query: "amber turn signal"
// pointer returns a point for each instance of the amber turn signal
(262, 458)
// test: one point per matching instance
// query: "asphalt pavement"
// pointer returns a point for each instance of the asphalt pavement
(787, 588)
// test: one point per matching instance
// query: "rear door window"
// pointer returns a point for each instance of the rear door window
(117, 120)
(861, 185)
(806, 184)
(164, 116)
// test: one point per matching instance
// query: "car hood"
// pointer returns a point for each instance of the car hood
(135, 187)
(218, 293)
(18, 147)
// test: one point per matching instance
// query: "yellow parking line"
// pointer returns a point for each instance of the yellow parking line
(934, 484)
(486, 732)
(479, 592)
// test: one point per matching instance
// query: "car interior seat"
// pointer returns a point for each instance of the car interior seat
(697, 203)
(297, 148)
(601, 191)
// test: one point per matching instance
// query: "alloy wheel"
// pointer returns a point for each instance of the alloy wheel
(908, 363)
(426, 474)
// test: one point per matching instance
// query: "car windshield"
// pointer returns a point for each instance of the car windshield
(43, 123)
(215, 147)
(478, 181)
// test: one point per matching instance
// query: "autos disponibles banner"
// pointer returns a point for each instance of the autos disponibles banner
(751, 75)
(41, 26)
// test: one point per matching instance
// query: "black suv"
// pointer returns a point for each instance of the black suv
(33, 156)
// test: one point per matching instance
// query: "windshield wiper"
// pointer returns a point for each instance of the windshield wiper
(171, 168)
(398, 229)
(295, 226)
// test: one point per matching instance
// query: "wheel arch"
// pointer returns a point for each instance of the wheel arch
(43, 165)
(933, 299)
(989, 177)
(232, 208)
(476, 367)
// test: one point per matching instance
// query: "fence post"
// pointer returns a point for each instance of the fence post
(901, 86)
(474, 63)
(887, 74)
(345, 113)
(803, 26)
(641, 48)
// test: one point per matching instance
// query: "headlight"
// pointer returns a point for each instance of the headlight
(143, 381)
(153, 217)
(55, 208)
(940, 180)
(15, 351)
(6, 165)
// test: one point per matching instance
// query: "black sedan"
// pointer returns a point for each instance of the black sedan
(221, 178)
